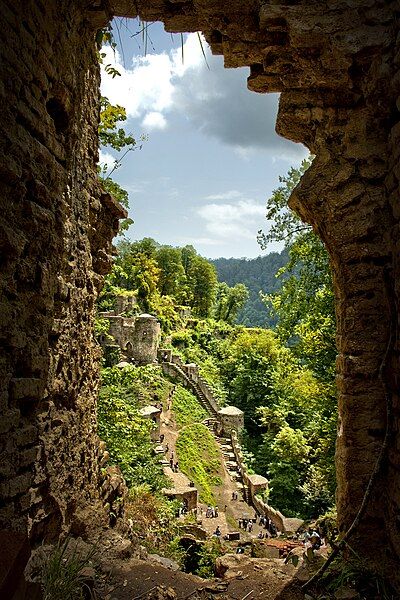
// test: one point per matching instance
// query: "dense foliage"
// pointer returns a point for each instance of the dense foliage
(168, 280)
(304, 305)
(186, 407)
(258, 275)
(290, 414)
(125, 431)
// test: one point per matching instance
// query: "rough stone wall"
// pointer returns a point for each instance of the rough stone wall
(230, 422)
(262, 507)
(55, 240)
(336, 63)
(145, 339)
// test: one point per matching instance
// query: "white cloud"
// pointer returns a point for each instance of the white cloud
(105, 158)
(197, 241)
(229, 195)
(236, 220)
(154, 120)
(145, 89)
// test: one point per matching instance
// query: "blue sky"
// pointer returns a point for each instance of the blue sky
(212, 155)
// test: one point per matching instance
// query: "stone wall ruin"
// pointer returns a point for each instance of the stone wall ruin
(56, 227)
(336, 63)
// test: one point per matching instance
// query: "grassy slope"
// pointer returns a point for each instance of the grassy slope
(198, 454)
(187, 409)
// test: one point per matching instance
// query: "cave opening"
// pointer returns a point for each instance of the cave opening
(57, 228)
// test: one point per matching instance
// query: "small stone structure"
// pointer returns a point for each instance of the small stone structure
(231, 418)
(153, 413)
(181, 488)
(125, 304)
(256, 484)
(145, 339)
(137, 337)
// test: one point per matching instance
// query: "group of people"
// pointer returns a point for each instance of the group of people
(268, 525)
(211, 512)
(246, 524)
(174, 465)
(312, 539)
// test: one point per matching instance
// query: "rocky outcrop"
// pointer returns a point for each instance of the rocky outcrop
(56, 228)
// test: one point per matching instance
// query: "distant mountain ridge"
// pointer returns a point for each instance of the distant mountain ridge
(258, 274)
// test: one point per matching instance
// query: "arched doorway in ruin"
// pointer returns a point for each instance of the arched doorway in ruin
(336, 65)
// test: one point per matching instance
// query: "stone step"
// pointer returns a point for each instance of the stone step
(231, 464)
(230, 455)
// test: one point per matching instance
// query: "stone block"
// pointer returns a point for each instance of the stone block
(29, 456)
(9, 420)
(15, 486)
(27, 435)
(26, 388)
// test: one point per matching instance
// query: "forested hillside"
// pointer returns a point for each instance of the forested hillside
(257, 274)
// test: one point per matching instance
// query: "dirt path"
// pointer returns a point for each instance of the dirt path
(229, 510)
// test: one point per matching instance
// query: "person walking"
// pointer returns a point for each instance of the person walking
(217, 532)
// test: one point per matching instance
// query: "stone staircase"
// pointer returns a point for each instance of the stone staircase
(247, 485)
(196, 387)
(225, 445)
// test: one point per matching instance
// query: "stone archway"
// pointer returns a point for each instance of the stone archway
(337, 66)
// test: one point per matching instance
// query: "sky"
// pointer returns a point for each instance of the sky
(212, 156)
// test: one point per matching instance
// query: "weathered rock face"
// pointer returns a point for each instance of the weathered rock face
(336, 63)
(55, 240)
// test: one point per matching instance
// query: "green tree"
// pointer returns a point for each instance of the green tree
(248, 358)
(201, 281)
(145, 273)
(172, 273)
(304, 306)
(229, 300)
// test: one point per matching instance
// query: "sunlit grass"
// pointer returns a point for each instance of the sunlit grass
(199, 458)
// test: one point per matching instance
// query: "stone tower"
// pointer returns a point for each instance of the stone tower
(145, 339)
